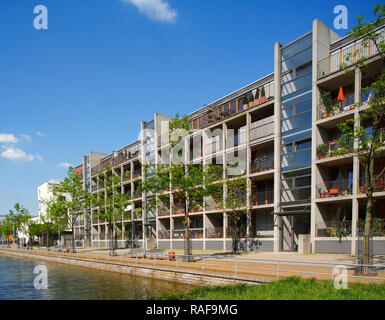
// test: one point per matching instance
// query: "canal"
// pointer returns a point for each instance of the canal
(74, 283)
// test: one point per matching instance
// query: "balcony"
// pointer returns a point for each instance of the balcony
(346, 56)
(177, 209)
(137, 173)
(262, 198)
(164, 234)
(330, 107)
(223, 111)
(234, 232)
(262, 128)
(164, 212)
(333, 149)
(126, 176)
(378, 187)
(262, 231)
(332, 189)
(214, 233)
(334, 229)
(194, 234)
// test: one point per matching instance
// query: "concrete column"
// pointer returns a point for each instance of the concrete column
(356, 163)
(277, 145)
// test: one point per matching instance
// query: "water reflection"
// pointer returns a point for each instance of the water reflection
(69, 282)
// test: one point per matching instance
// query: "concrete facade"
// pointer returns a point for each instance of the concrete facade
(268, 133)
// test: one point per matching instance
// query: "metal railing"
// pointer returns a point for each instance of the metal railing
(347, 56)
(250, 269)
(379, 185)
(164, 234)
(212, 233)
(194, 234)
(262, 198)
(261, 166)
(338, 229)
(334, 189)
(335, 107)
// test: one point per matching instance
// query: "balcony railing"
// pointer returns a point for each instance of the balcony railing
(379, 185)
(262, 198)
(336, 188)
(126, 176)
(137, 194)
(334, 229)
(333, 149)
(163, 212)
(347, 56)
(164, 234)
(262, 231)
(137, 173)
(213, 233)
(335, 107)
(233, 232)
(194, 234)
(177, 209)
(261, 166)
(262, 128)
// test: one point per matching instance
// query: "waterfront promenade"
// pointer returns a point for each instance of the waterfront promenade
(214, 269)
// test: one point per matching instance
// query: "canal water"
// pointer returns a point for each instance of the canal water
(74, 283)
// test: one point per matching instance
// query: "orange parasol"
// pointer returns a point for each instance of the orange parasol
(341, 96)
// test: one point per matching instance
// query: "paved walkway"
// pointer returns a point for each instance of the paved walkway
(261, 267)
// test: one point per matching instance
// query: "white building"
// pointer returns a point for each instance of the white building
(44, 194)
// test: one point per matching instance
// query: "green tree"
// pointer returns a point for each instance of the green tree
(369, 138)
(19, 216)
(190, 183)
(71, 201)
(111, 203)
(236, 204)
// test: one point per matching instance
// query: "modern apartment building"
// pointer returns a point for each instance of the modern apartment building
(267, 133)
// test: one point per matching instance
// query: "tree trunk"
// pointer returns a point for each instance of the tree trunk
(369, 212)
(73, 238)
(112, 245)
(187, 240)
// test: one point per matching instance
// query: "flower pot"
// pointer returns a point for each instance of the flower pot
(262, 100)
(256, 101)
(251, 104)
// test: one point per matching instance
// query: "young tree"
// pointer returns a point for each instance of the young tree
(236, 203)
(369, 133)
(20, 218)
(112, 203)
(190, 183)
(6, 229)
(71, 201)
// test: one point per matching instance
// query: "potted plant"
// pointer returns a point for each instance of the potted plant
(256, 100)
(326, 102)
(263, 95)
(245, 102)
(210, 116)
(250, 98)
(322, 150)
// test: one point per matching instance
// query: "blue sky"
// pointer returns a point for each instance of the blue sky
(103, 66)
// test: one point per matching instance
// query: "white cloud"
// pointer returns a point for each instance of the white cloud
(16, 154)
(40, 134)
(158, 10)
(65, 165)
(8, 138)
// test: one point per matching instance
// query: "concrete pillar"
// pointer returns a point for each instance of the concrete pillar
(277, 145)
